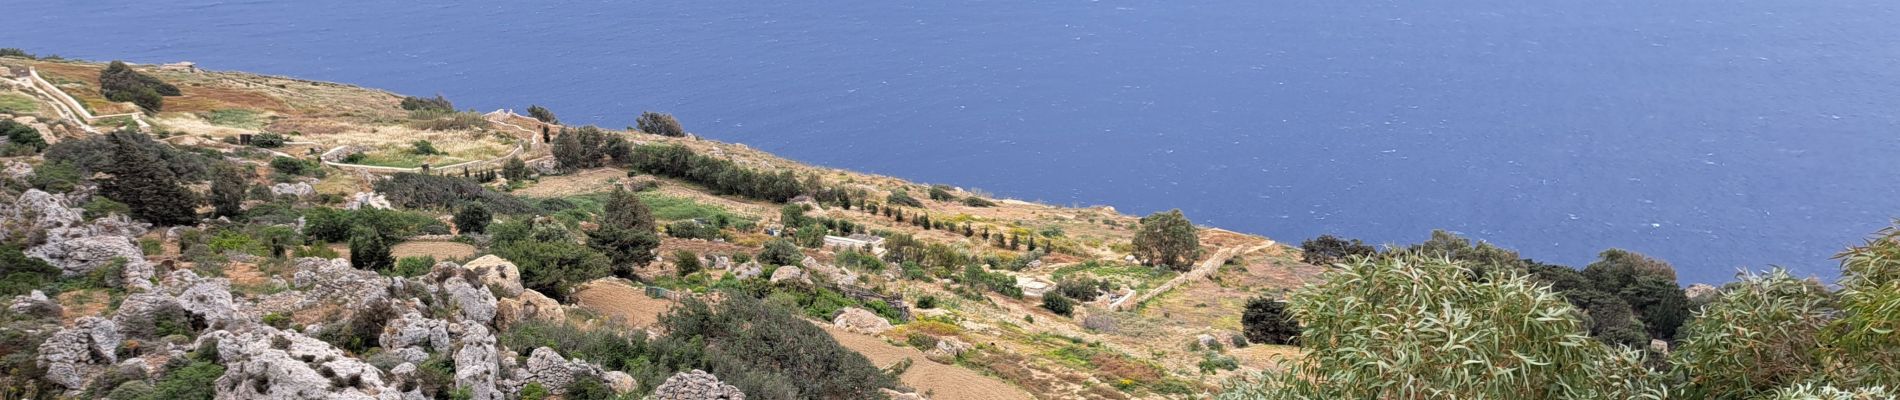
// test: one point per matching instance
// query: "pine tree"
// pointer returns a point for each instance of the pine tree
(627, 233)
(515, 170)
(154, 194)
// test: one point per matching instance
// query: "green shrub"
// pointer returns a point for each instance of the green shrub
(277, 320)
(1328, 249)
(542, 114)
(118, 82)
(780, 252)
(194, 381)
(23, 274)
(473, 218)
(902, 199)
(1167, 239)
(413, 266)
(1423, 318)
(437, 192)
(941, 193)
(292, 166)
(438, 103)
(685, 262)
(269, 140)
(974, 201)
(1059, 304)
(662, 124)
(1267, 321)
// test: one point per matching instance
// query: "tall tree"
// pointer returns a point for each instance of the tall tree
(154, 194)
(627, 233)
(228, 189)
(1167, 239)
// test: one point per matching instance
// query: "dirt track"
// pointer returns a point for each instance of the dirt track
(943, 382)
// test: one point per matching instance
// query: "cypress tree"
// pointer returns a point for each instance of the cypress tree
(627, 233)
(228, 189)
(369, 250)
(154, 194)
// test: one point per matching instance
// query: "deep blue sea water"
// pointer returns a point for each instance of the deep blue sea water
(1715, 134)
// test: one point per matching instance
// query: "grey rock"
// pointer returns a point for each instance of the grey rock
(298, 189)
(72, 356)
(34, 304)
(265, 363)
(547, 367)
(751, 269)
(498, 274)
(620, 381)
(789, 273)
(860, 320)
(696, 385)
(476, 363)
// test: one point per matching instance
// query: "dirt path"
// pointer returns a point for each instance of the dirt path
(1201, 271)
(945, 382)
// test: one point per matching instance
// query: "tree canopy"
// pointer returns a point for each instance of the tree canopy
(1167, 239)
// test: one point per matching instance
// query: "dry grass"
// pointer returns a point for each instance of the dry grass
(442, 251)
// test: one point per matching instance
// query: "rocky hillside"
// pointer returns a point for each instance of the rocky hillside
(268, 237)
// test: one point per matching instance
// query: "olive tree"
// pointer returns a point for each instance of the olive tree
(1167, 239)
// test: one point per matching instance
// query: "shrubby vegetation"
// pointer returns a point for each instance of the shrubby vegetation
(437, 103)
(767, 351)
(155, 195)
(542, 114)
(662, 124)
(118, 82)
(1267, 321)
(627, 233)
(720, 175)
(438, 192)
(1328, 249)
(551, 257)
(587, 147)
(21, 139)
(1167, 239)
(1514, 332)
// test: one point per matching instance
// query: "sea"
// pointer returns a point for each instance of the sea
(1718, 135)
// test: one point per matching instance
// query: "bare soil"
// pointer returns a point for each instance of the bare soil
(442, 251)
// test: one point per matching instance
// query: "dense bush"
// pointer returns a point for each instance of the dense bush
(369, 250)
(100, 153)
(551, 261)
(580, 148)
(941, 193)
(974, 201)
(268, 140)
(333, 225)
(1057, 303)
(1084, 289)
(745, 344)
(228, 190)
(690, 229)
(294, 167)
(118, 82)
(194, 381)
(780, 252)
(516, 170)
(1373, 321)
(1328, 249)
(899, 198)
(21, 139)
(155, 195)
(438, 103)
(721, 175)
(542, 114)
(437, 192)
(22, 274)
(1167, 239)
(659, 124)
(473, 218)
(1267, 321)
(627, 233)
(685, 262)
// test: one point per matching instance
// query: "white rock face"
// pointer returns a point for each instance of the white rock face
(73, 355)
(299, 189)
(620, 381)
(696, 385)
(415, 330)
(751, 269)
(860, 320)
(789, 273)
(529, 306)
(78, 256)
(547, 367)
(477, 363)
(367, 199)
(498, 274)
(265, 363)
(1701, 292)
